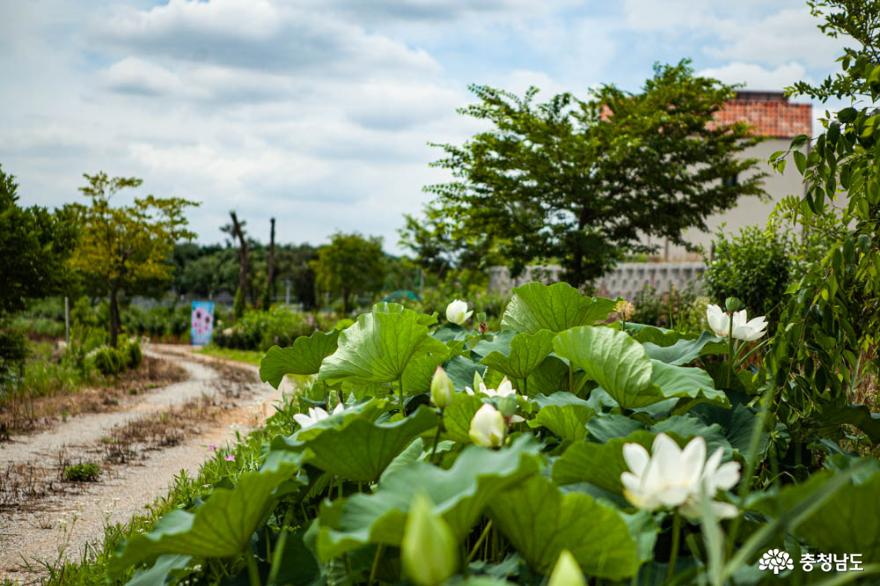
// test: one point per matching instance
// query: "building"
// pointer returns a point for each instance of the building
(774, 118)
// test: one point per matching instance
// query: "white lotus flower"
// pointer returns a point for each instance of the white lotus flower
(670, 477)
(718, 320)
(315, 415)
(748, 330)
(457, 312)
(488, 427)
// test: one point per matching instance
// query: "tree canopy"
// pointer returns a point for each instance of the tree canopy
(349, 266)
(34, 247)
(582, 182)
(123, 248)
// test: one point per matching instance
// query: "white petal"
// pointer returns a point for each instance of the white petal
(740, 318)
(693, 457)
(726, 476)
(630, 482)
(713, 462)
(718, 320)
(505, 388)
(672, 496)
(338, 409)
(665, 453)
(303, 420)
(724, 510)
(636, 457)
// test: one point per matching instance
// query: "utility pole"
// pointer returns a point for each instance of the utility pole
(270, 267)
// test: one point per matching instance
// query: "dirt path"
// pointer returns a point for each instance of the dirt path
(66, 524)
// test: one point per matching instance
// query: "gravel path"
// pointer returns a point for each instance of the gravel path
(65, 526)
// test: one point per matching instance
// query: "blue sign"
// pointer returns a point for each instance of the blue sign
(202, 323)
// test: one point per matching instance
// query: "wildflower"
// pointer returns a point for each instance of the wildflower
(229, 457)
(743, 328)
(624, 309)
(670, 477)
(487, 427)
(212, 447)
(315, 415)
(457, 312)
(441, 388)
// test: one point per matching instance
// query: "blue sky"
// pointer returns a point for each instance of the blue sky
(319, 112)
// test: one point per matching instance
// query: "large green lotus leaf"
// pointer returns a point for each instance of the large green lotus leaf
(357, 448)
(557, 307)
(460, 494)
(499, 342)
(221, 527)
(685, 427)
(461, 371)
(527, 352)
(684, 351)
(607, 426)
(550, 376)
(614, 360)
(598, 464)
(683, 381)
(162, 571)
(419, 372)
(378, 347)
(659, 336)
(540, 521)
(563, 414)
(303, 357)
(457, 416)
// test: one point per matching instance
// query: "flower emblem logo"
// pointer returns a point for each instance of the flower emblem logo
(776, 560)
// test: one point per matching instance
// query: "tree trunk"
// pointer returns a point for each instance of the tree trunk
(114, 317)
(243, 259)
(345, 305)
(270, 267)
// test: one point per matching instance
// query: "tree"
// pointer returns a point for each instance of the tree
(126, 248)
(349, 266)
(34, 247)
(236, 230)
(581, 182)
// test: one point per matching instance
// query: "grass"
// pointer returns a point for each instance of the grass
(247, 356)
(223, 466)
(85, 472)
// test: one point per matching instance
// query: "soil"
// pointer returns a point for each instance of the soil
(140, 448)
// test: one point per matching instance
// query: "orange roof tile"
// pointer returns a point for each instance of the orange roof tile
(771, 115)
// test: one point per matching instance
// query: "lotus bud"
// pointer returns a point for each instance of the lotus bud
(732, 304)
(507, 406)
(488, 427)
(478, 380)
(441, 388)
(567, 572)
(429, 551)
(457, 312)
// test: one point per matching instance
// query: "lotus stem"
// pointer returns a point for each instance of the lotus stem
(436, 438)
(676, 541)
(479, 542)
(730, 356)
(253, 571)
(375, 567)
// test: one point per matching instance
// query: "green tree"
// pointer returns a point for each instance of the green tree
(582, 182)
(34, 247)
(350, 266)
(828, 334)
(125, 248)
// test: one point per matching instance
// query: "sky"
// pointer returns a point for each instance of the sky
(320, 112)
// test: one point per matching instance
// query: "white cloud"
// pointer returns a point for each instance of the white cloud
(756, 77)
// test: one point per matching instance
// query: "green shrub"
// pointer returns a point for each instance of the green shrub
(108, 361)
(679, 309)
(134, 355)
(13, 352)
(84, 472)
(753, 265)
(260, 330)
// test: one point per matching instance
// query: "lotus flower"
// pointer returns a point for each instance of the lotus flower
(748, 330)
(457, 312)
(743, 328)
(441, 388)
(674, 478)
(488, 427)
(315, 415)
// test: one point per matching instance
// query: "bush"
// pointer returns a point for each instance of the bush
(85, 472)
(13, 352)
(112, 361)
(260, 330)
(754, 266)
(678, 309)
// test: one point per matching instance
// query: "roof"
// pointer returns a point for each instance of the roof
(770, 114)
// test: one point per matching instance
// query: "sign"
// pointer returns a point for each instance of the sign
(202, 323)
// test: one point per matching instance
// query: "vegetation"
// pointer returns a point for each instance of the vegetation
(580, 182)
(350, 266)
(83, 472)
(121, 249)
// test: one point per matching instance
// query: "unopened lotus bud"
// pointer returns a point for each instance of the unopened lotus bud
(441, 388)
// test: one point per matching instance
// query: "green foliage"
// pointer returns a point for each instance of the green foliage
(83, 472)
(303, 357)
(111, 361)
(682, 310)
(349, 267)
(34, 247)
(126, 248)
(260, 330)
(753, 266)
(579, 182)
